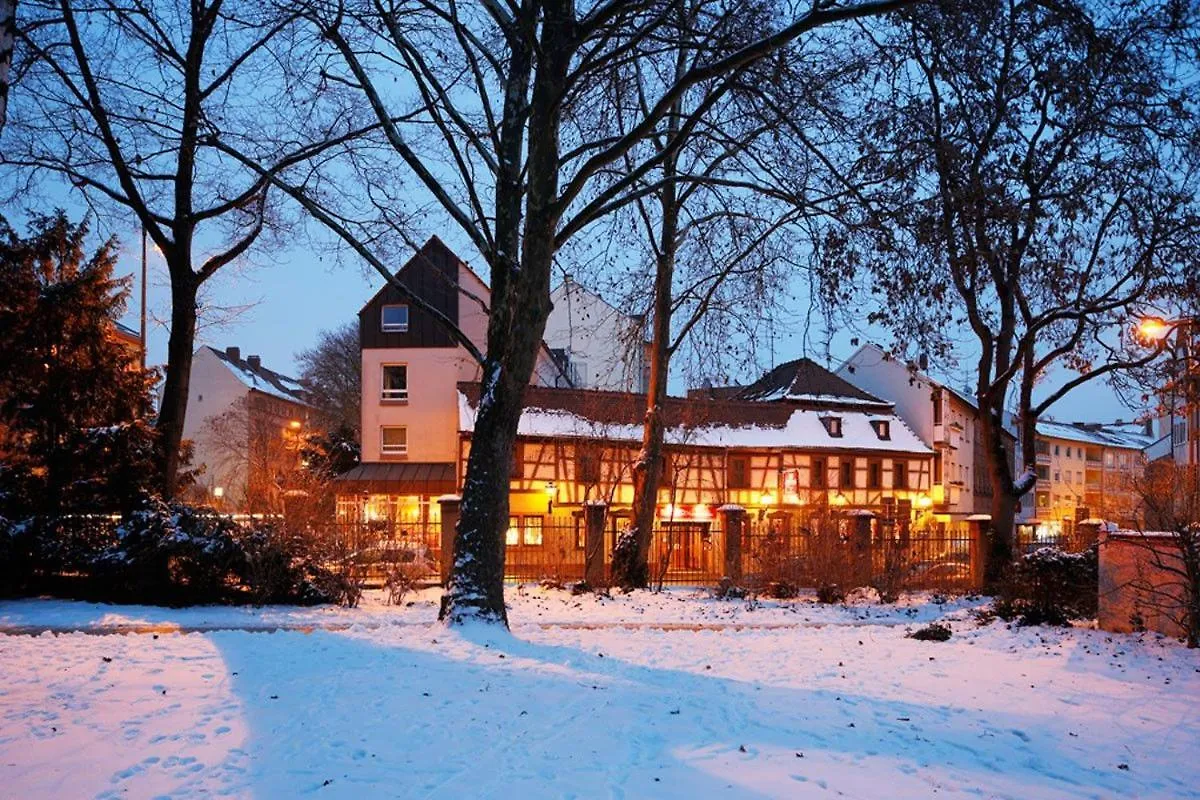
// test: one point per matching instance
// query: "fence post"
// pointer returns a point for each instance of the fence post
(450, 511)
(593, 543)
(733, 520)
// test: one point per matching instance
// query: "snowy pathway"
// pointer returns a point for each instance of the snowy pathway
(635, 697)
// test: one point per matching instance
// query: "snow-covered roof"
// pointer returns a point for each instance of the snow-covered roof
(1104, 436)
(617, 416)
(256, 376)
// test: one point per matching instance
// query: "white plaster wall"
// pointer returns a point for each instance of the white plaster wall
(597, 336)
(212, 390)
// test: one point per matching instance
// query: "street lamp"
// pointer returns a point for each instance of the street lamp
(1157, 331)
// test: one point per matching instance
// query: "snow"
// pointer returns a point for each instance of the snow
(804, 429)
(671, 695)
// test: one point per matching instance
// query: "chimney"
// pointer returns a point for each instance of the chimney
(254, 361)
(923, 362)
(234, 352)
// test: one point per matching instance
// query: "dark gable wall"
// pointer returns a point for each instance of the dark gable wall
(432, 274)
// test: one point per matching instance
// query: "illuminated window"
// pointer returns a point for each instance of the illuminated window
(533, 531)
(524, 531)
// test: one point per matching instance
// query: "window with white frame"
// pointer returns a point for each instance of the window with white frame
(395, 382)
(394, 319)
(393, 440)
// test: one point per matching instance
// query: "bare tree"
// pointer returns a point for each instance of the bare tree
(258, 455)
(332, 372)
(8, 31)
(717, 218)
(493, 95)
(1167, 581)
(1042, 189)
(123, 102)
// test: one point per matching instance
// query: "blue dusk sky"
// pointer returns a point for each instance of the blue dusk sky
(277, 302)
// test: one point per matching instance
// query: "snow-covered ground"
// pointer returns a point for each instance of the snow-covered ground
(665, 695)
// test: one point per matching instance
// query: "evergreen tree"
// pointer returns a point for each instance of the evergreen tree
(74, 400)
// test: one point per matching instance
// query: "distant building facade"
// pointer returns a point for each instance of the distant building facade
(599, 346)
(245, 423)
(1088, 471)
(943, 417)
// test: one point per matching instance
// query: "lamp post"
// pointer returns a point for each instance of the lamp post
(1157, 330)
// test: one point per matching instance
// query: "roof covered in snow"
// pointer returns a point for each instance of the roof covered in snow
(1097, 434)
(617, 416)
(255, 376)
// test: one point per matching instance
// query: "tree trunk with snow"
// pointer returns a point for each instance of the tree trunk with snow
(517, 320)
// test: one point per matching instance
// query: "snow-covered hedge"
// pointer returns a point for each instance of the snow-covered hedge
(168, 553)
(1051, 586)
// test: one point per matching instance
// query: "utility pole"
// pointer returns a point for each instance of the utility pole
(143, 327)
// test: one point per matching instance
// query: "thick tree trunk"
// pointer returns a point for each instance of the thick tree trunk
(516, 322)
(173, 407)
(1000, 553)
(476, 586)
(8, 35)
(1004, 495)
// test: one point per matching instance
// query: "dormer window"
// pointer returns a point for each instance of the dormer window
(833, 426)
(394, 319)
(883, 428)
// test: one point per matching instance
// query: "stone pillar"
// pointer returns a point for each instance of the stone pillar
(733, 521)
(861, 546)
(980, 533)
(593, 544)
(450, 512)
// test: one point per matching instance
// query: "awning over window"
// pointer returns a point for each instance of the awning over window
(398, 478)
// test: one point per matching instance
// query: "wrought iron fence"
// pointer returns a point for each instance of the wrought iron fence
(373, 551)
(886, 559)
(1073, 542)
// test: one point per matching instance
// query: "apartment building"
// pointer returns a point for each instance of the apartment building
(1087, 470)
(245, 422)
(946, 419)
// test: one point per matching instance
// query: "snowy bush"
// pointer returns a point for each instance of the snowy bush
(1051, 587)
(172, 553)
(933, 632)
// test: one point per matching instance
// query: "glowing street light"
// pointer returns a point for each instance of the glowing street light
(1154, 329)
